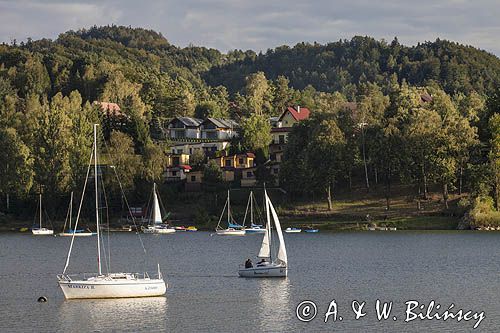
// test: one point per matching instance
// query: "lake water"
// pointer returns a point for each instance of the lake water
(205, 293)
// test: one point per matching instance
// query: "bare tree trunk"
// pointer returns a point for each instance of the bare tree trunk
(388, 189)
(445, 195)
(8, 202)
(460, 180)
(425, 182)
(376, 175)
(329, 196)
(364, 160)
(350, 181)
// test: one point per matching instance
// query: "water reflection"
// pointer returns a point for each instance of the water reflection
(274, 304)
(127, 314)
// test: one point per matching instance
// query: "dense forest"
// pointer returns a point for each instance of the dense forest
(423, 116)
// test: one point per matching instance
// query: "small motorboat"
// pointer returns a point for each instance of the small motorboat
(180, 228)
(293, 230)
(311, 230)
(191, 228)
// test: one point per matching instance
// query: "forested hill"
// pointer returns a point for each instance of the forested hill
(336, 66)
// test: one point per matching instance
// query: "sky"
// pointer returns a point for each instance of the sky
(262, 24)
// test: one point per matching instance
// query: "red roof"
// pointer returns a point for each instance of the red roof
(298, 113)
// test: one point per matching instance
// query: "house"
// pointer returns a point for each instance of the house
(237, 161)
(284, 124)
(194, 181)
(209, 148)
(184, 128)
(219, 129)
(248, 178)
(177, 173)
(174, 160)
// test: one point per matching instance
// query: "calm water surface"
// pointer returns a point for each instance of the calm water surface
(205, 293)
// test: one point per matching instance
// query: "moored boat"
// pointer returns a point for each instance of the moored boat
(109, 284)
(233, 228)
(293, 230)
(41, 231)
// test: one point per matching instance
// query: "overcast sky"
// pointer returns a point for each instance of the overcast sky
(262, 24)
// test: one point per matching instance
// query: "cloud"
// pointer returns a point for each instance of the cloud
(259, 24)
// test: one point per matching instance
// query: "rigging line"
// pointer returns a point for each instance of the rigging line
(129, 210)
(67, 214)
(107, 220)
(126, 201)
(246, 210)
(79, 210)
(221, 215)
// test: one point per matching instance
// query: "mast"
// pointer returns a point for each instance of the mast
(228, 209)
(70, 211)
(251, 209)
(97, 203)
(40, 210)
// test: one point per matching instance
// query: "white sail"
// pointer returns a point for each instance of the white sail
(265, 248)
(282, 249)
(156, 209)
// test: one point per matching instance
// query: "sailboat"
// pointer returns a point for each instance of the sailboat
(70, 232)
(269, 266)
(157, 227)
(254, 228)
(233, 229)
(106, 285)
(41, 230)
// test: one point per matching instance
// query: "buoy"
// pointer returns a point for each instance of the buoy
(42, 299)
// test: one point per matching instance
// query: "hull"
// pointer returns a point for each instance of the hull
(191, 229)
(42, 231)
(153, 230)
(312, 231)
(100, 288)
(77, 234)
(264, 271)
(255, 231)
(292, 231)
(230, 232)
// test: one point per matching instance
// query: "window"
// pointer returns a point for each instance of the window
(211, 135)
(193, 178)
(179, 151)
(228, 163)
(276, 171)
(190, 151)
(176, 161)
(281, 139)
(272, 157)
(174, 173)
(180, 134)
(240, 161)
(249, 174)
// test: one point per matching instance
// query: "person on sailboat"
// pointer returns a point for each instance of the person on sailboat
(248, 263)
(263, 262)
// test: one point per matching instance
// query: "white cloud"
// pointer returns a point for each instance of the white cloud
(262, 24)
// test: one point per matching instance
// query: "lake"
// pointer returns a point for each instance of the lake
(206, 294)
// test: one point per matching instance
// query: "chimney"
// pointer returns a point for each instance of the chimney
(298, 108)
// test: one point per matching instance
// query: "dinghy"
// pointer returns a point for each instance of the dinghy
(293, 230)
(269, 266)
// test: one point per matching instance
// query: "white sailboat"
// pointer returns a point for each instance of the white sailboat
(41, 231)
(70, 232)
(269, 266)
(106, 285)
(254, 228)
(233, 229)
(158, 227)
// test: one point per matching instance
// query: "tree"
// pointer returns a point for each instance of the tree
(494, 155)
(52, 142)
(256, 132)
(325, 154)
(259, 94)
(16, 164)
(284, 95)
(122, 157)
(154, 160)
